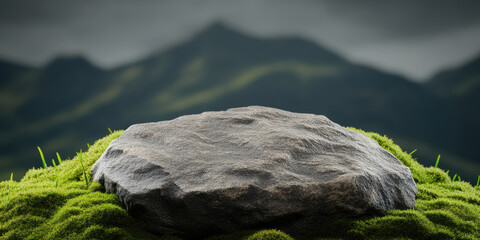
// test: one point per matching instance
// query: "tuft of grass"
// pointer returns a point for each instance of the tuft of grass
(410, 154)
(83, 168)
(9, 187)
(438, 159)
(59, 158)
(43, 158)
(56, 173)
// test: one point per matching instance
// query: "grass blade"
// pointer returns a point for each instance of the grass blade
(9, 186)
(410, 154)
(43, 158)
(459, 178)
(478, 181)
(438, 159)
(59, 159)
(83, 168)
(454, 176)
(56, 173)
(110, 130)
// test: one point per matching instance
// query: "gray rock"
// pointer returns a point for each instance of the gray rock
(250, 167)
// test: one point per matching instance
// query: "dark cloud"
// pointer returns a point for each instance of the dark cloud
(31, 12)
(393, 35)
(409, 18)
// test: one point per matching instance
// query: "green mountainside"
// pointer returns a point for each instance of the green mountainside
(70, 101)
(460, 90)
(461, 82)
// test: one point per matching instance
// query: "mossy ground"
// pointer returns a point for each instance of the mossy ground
(37, 209)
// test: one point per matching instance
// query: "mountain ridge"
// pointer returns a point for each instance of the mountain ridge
(201, 74)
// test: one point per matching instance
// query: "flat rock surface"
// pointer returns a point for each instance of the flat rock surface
(250, 167)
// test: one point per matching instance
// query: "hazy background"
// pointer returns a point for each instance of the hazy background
(413, 38)
(71, 69)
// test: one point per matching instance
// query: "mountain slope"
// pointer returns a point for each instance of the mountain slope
(11, 71)
(15, 80)
(461, 82)
(217, 69)
(63, 83)
(33, 100)
(459, 89)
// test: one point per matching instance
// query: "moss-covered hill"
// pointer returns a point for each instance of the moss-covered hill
(35, 208)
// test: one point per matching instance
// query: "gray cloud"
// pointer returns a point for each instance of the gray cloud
(410, 18)
(388, 34)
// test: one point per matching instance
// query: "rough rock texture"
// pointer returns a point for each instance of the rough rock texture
(250, 167)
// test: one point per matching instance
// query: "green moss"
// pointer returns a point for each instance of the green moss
(37, 209)
(443, 209)
(269, 235)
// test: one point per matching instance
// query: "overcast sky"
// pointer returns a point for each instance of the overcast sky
(414, 38)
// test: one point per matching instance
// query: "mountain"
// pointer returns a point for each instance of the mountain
(71, 102)
(63, 83)
(32, 97)
(459, 89)
(15, 86)
(462, 82)
(10, 71)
